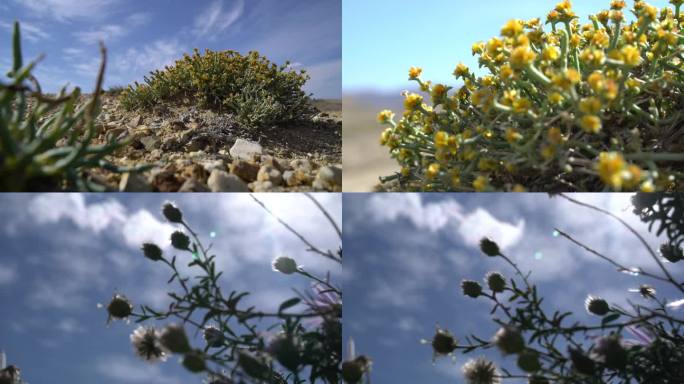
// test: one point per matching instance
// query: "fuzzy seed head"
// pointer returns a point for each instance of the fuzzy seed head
(172, 213)
(597, 306)
(480, 371)
(120, 307)
(284, 264)
(152, 251)
(180, 241)
(443, 343)
(489, 247)
(496, 282)
(174, 339)
(509, 340)
(471, 288)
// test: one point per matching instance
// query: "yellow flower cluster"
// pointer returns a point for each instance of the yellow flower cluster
(558, 109)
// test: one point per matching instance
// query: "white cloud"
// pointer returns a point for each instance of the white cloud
(51, 208)
(106, 33)
(214, 20)
(126, 369)
(64, 10)
(480, 223)
(143, 227)
(69, 325)
(150, 57)
(326, 78)
(31, 32)
(7, 275)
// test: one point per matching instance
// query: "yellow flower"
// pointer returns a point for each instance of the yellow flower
(512, 135)
(506, 72)
(455, 177)
(385, 116)
(593, 57)
(556, 98)
(438, 91)
(566, 79)
(385, 136)
(631, 55)
(413, 101)
(522, 105)
(647, 186)
(596, 81)
(555, 136)
(610, 168)
(548, 152)
(551, 53)
(405, 171)
(481, 183)
(522, 56)
(432, 171)
(512, 28)
(518, 188)
(441, 139)
(591, 123)
(632, 177)
(414, 72)
(478, 48)
(617, 4)
(461, 70)
(590, 105)
(600, 38)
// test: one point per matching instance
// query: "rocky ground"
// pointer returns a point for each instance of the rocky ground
(195, 150)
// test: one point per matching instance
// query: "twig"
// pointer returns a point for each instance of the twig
(327, 215)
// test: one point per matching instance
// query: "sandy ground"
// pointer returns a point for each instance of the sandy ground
(363, 158)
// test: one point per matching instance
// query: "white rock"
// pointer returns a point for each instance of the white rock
(222, 181)
(245, 150)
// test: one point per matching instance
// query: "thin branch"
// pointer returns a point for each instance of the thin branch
(327, 215)
(311, 248)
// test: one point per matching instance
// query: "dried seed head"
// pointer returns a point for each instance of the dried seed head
(174, 339)
(152, 251)
(489, 247)
(471, 288)
(194, 361)
(528, 361)
(146, 343)
(443, 343)
(596, 306)
(213, 336)
(509, 340)
(284, 264)
(180, 241)
(480, 371)
(120, 307)
(496, 282)
(172, 213)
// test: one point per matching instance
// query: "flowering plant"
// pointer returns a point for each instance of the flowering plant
(579, 107)
(241, 344)
(642, 343)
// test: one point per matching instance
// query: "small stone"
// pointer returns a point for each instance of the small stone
(193, 185)
(177, 125)
(270, 173)
(134, 182)
(116, 133)
(290, 179)
(262, 186)
(214, 164)
(166, 181)
(302, 164)
(245, 150)
(150, 142)
(271, 161)
(245, 170)
(222, 181)
(136, 121)
(329, 178)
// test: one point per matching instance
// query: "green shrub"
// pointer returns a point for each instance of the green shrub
(32, 124)
(580, 107)
(256, 90)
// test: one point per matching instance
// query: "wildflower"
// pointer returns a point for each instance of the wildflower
(631, 55)
(172, 213)
(146, 343)
(509, 340)
(413, 101)
(385, 116)
(284, 264)
(480, 371)
(671, 252)
(496, 282)
(591, 123)
(554, 135)
(556, 98)
(180, 241)
(522, 56)
(610, 168)
(441, 139)
(461, 70)
(550, 53)
(432, 171)
(512, 135)
(481, 183)
(471, 288)
(512, 28)
(152, 251)
(120, 307)
(596, 306)
(174, 339)
(443, 342)
(596, 81)
(212, 336)
(590, 105)
(414, 72)
(438, 91)
(489, 247)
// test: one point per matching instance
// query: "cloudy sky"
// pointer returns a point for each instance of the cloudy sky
(65, 253)
(145, 35)
(383, 38)
(407, 254)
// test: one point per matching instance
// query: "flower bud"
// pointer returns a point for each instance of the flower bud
(353, 370)
(194, 362)
(284, 264)
(489, 247)
(213, 336)
(596, 306)
(581, 362)
(480, 371)
(528, 361)
(172, 213)
(471, 288)
(443, 343)
(174, 339)
(284, 349)
(671, 253)
(509, 340)
(610, 351)
(496, 282)
(120, 307)
(180, 241)
(152, 251)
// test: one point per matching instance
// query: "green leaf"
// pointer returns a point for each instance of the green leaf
(16, 42)
(289, 303)
(610, 318)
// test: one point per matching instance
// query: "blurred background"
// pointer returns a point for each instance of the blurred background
(382, 39)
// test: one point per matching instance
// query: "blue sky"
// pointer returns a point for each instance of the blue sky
(145, 35)
(407, 254)
(65, 253)
(383, 38)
